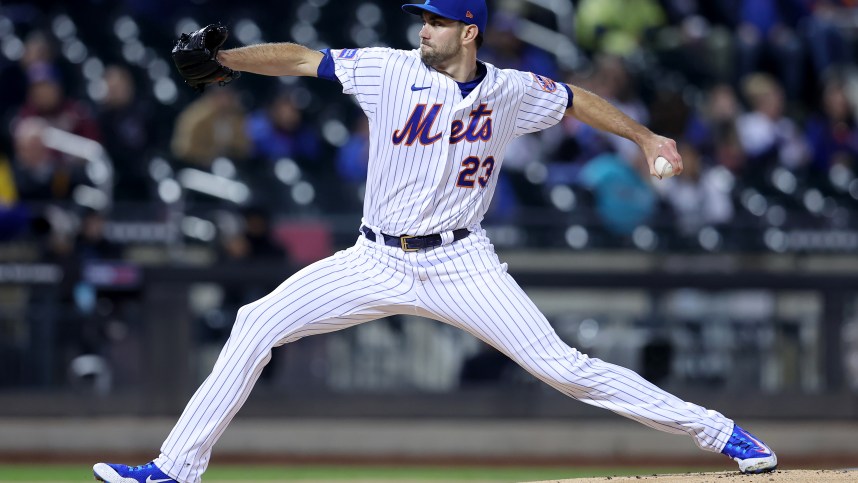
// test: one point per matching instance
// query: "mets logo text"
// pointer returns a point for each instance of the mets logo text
(547, 84)
(419, 126)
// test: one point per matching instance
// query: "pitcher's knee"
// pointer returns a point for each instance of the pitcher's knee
(260, 320)
(253, 317)
(560, 368)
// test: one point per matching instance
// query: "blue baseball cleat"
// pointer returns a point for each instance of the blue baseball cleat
(148, 473)
(750, 452)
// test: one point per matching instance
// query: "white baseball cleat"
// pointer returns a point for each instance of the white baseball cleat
(750, 452)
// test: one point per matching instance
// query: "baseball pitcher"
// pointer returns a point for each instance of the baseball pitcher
(440, 122)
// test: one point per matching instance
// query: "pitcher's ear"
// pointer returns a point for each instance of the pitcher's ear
(471, 33)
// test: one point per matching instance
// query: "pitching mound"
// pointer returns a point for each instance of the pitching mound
(793, 476)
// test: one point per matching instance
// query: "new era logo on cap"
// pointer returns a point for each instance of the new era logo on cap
(471, 12)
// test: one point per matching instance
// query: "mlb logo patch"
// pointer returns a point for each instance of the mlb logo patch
(545, 83)
(348, 53)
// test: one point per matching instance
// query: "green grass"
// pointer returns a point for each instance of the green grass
(229, 473)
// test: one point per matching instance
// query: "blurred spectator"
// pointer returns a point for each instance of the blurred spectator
(524, 154)
(210, 127)
(616, 27)
(352, 162)
(53, 229)
(766, 35)
(251, 239)
(710, 48)
(572, 143)
(505, 205)
(40, 173)
(833, 133)
(97, 312)
(728, 150)
(670, 111)
(718, 113)
(701, 51)
(353, 156)
(46, 99)
(38, 49)
(127, 126)
(8, 192)
(571, 146)
(767, 135)
(279, 131)
(505, 49)
(90, 242)
(828, 44)
(623, 199)
(701, 196)
(13, 214)
(613, 81)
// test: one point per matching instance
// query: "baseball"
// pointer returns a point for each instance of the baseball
(663, 167)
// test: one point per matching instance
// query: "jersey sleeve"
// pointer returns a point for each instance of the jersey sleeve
(543, 103)
(360, 71)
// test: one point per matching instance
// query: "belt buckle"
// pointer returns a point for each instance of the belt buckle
(403, 241)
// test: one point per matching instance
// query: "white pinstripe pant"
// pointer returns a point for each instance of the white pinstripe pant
(463, 284)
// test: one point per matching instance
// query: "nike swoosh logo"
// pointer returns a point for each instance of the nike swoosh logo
(415, 88)
(150, 480)
(761, 448)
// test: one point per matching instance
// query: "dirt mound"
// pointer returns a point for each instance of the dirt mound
(791, 476)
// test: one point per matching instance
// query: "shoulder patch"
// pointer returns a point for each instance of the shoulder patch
(545, 83)
(348, 53)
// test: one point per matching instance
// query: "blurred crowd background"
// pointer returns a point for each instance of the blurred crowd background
(760, 95)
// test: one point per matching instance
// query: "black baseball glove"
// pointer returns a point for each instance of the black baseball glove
(195, 55)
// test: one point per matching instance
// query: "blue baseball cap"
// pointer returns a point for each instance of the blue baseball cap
(471, 12)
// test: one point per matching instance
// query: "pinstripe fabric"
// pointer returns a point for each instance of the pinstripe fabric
(420, 183)
(462, 284)
(353, 286)
(485, 301)
(413, 188)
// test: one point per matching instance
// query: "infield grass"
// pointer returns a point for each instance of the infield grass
(319, 474)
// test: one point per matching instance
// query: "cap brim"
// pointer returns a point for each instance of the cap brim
(419, 8)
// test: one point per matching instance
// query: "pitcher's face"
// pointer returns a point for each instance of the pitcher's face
(440, 39)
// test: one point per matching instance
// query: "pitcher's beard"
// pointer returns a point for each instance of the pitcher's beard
(438, 57)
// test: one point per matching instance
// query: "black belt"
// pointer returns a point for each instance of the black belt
(414, 243)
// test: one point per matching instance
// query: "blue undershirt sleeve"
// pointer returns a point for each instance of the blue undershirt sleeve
(568, 91)
(326, 67)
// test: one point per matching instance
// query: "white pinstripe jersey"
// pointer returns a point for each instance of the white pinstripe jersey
(434, 156)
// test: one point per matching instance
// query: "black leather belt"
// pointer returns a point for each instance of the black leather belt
(414, 243)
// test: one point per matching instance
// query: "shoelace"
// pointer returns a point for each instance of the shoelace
(745, 445)
(141, 467)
